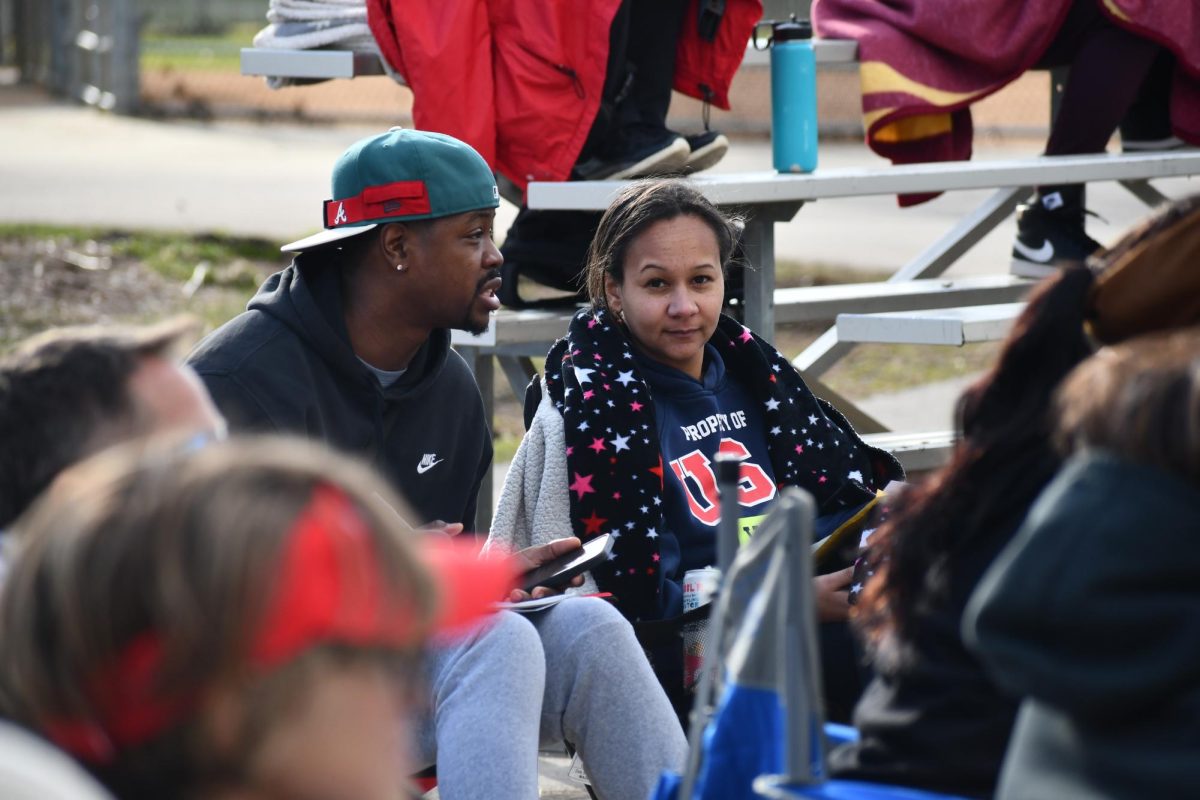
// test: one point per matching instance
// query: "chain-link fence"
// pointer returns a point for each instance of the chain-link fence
(185, 62)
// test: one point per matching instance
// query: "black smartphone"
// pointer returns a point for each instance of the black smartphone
(560, 571)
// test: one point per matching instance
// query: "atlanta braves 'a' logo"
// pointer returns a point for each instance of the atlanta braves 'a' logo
(341, 214)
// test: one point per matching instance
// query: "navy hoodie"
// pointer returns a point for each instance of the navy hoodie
(695, 419)
(285, 365)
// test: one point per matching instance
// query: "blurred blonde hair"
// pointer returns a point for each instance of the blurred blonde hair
(183, 543)
(1139, 400)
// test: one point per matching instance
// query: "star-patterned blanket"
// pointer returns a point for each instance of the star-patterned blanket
(614, 464)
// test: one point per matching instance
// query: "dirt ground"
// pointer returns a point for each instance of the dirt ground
(48, 281)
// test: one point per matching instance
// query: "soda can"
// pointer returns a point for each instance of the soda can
(699, 586)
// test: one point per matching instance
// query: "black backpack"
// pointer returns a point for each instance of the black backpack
(550, 249)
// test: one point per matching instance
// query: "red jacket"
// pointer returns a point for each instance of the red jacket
(520, 80)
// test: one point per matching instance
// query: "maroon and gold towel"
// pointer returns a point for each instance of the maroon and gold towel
(924, 62)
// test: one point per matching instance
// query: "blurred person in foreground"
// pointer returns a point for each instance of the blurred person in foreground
(238, 621)
(70, 392)
(1092, 613)
(933, 718)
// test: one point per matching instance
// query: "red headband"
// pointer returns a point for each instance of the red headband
(329, 589)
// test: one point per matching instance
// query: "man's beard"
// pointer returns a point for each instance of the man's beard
(469, 324)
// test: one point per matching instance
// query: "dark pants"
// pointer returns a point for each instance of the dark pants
(1109, 65)
(639, 75)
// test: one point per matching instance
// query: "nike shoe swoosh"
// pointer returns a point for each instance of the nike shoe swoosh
(1041, 255)
(423, 468)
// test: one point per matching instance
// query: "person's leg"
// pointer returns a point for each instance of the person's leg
(602, 697)
(1147, 123)
(618, 81)
(653, 39)
(1105, 76)
(1108, 65)
(634, 141)
(486, 697)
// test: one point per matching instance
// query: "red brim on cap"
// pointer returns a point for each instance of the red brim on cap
(469, 584)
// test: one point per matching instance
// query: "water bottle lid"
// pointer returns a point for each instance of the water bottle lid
(792, 29)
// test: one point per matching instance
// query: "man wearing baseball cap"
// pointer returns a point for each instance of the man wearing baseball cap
(350, 344)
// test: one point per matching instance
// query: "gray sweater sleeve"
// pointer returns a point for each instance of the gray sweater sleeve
(535, 503)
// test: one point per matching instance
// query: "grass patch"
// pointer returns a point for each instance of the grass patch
(217, 52)
(875, 368)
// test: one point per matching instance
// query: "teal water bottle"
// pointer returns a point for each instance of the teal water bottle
(793, 97)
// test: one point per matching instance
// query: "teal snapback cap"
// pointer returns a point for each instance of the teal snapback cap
(399, 176)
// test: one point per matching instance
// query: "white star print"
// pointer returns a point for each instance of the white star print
(772, 404)
(620, 443)
(583, 375)
(625, 377)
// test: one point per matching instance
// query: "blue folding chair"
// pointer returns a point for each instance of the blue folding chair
(758, 728)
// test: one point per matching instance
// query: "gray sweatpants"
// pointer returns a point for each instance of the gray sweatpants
(573, 672)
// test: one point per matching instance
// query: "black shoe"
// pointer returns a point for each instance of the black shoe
(1049, 240)
(664, 155)
(707, 148)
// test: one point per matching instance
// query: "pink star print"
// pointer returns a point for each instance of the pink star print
(589, 394)
(799, 448)
(597, 445)
(745, 337)
(582, 485)
(635, 405)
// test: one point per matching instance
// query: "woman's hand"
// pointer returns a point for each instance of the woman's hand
(535, 556)
(833, 595)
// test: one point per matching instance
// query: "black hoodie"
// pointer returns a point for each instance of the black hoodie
(285, 365)
(1092, 614)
